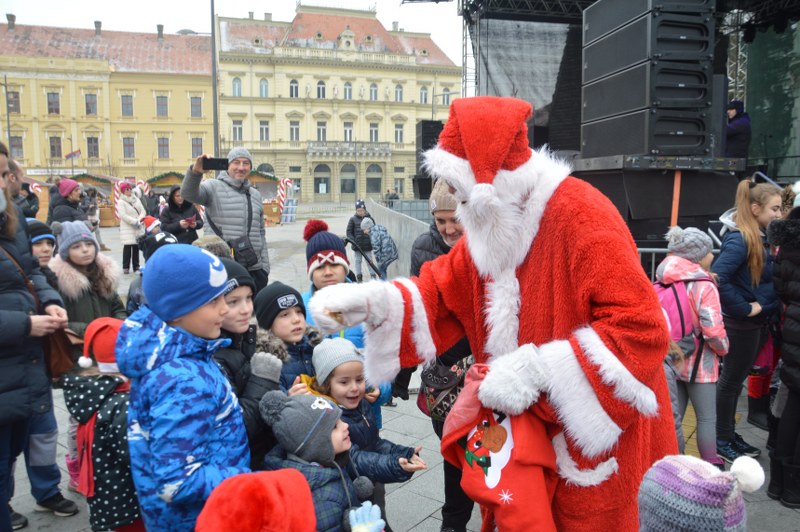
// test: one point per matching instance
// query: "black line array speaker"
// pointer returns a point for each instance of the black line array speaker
(719, 116)
(427, 136)
(423, 184)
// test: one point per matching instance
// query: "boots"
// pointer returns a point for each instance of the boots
(772, 438)
(757, 408)
(74, 470)
(359, 278)
(775, 488)
(790, 497)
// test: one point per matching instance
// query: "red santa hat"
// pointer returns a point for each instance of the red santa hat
(99, 340)
(150, 223)
(483, 135)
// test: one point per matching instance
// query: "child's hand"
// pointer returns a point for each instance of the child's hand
(372, 395)
(298, 388)
(415, 464)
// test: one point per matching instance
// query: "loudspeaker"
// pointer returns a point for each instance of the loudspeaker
(666, 37)
(427, 136)
(649, 131)
(719, 115)
(422, 186)
(667, 84)
(605, 16)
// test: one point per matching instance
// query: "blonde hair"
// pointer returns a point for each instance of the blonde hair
(748, 193)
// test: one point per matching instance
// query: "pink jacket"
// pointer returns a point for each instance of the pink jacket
(706, 316)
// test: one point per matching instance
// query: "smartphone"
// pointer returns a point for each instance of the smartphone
(215, 164)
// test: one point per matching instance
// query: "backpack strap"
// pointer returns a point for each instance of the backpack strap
(699, 355)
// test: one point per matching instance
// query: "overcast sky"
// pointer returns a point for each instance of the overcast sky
(440, 20)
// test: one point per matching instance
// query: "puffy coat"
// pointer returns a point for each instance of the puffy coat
(226, 205)
(355, 233)
(185, 428)
(171, 218)
(24, 385)
(786, 235)
(29, 204)
(382, 245)
(131, 212)
(68, 211)
(427, 247)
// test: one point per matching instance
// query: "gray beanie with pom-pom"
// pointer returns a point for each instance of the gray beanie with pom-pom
(691, 243)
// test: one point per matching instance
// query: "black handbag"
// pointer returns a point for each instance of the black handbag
(441, 385)
(242, 248)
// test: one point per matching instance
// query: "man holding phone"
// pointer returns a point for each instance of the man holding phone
(234, 211)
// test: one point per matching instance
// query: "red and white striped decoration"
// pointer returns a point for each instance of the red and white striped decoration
(284, 184)
(144, 186)
(36, 188)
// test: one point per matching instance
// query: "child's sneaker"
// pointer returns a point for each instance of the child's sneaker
(17, 519)
(728, 451)
(58, 505)
(744, 447)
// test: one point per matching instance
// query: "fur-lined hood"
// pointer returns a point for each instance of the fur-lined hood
(269, 343)
(73, 284)
(785, 232)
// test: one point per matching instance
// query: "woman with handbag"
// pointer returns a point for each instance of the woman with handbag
(29, 310)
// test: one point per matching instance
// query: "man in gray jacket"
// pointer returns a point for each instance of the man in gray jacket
(226, 202)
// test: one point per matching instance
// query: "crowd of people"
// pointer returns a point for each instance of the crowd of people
(230, 398)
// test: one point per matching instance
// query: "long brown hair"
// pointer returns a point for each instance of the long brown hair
(748, 193)
(9, 225)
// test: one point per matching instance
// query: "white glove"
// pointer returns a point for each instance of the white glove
(343, 305)
(514, 381)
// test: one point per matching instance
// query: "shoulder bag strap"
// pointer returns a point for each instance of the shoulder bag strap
(28, 282)
(249, 216)
(700, 345)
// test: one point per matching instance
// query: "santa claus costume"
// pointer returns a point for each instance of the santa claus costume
(548, 288)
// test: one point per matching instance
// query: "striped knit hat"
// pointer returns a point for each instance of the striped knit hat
(323, 247)
(687, 493)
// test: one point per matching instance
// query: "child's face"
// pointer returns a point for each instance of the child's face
(366, 231)
(347, 384)
(328, 274)
(361, 211)
(205, 321)
(289, 325)
(340, 437)
(43, 250)
(82, 253)
(240, 309)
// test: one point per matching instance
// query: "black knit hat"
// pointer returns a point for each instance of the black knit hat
(274, 298)
(237, 276)
(39, 231)
(151, 243)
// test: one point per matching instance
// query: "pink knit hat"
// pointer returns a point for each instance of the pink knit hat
(66, 186)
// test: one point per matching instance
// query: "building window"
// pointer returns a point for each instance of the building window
(294, 89)
(236, 132)
(295, 169)
(91, 104)
(162, 106)
(55, 147)
(294, 130)
(128, 151)
(374, 185)
(399, 170)
(348, 132)
(320, 90)
(163, 148)
(446, 96)
(263, 131)
(373, 93)
(398, 93)
(322, 131)
(398, 133)
(348, 91)
(53, 103)
(92, 147)
(127, 105)
(321, 185)
(423, 95)
(13, 101)
(373, 132)
(16, 148)
(400, 185)
(196, 104)
(347, 178)
(263, 88)
(197, 147)
(236, 87)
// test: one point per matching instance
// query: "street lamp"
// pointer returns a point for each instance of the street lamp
(433, 102)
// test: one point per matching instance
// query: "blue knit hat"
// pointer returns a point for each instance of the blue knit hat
(39, 230)
(181, 278)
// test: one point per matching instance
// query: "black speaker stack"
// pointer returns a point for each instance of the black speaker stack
(648, 84)
(427, 136)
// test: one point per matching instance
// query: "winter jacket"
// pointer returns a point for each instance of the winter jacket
(786, 235)
(355, 233)
(249, 389)
(296, 357)
(82, 303)
(427, 247)
(736, 290)
(24, 385)
(56, 199)
(383, 246)
(355, 333)
(226, 205)
(68, 211)
(185, 428)
(151, 204)
(331, 486)
(135, 294)
(703, 298)
(29, 204)
(131, 213)
(737, 136)
(171, 218)
(114, 503)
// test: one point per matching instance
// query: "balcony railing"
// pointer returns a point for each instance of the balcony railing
(128, 161)
(315, 148)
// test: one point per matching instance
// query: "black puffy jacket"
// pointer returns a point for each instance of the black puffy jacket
(427, 247)
(355, 233)
(171, 218)
(68, 211)
(24, 385)
(786, 278)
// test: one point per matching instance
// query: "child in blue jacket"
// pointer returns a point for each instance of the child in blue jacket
(185, 429)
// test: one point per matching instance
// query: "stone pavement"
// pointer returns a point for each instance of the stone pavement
(412, 506)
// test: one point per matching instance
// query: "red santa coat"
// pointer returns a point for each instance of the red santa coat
(583, 299)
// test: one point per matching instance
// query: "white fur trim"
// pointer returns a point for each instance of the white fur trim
(514, 381)
(568, 469)
(440, 163)
(420, 331)
(382, 341)
(153, 225)
(613, 373)
(108, 367)
(502, 314)
(576, 404)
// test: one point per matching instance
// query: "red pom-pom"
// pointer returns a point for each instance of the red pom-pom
(313, 227)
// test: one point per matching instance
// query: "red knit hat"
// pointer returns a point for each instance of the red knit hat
(482, 136)
(150, 223)
(99, 340)
(267, 501)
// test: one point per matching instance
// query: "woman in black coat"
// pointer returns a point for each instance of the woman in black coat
(181, 217)
(24, 320)
(69, 209)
